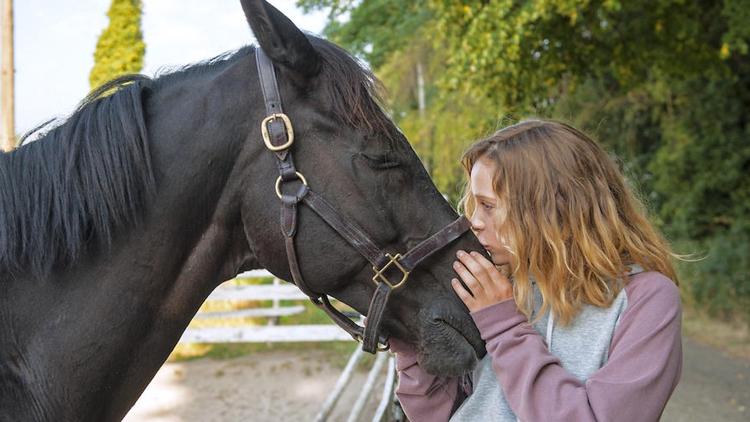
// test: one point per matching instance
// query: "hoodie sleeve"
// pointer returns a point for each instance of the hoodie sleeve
(424, 397)
(644, 366)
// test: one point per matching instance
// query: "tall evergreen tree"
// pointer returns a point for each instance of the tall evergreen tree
(120, 48)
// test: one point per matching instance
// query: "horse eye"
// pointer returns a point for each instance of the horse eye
(380, 162)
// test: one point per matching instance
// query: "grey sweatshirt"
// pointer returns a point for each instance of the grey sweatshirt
(618, 363)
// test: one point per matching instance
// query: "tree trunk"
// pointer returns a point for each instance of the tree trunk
(420, 89)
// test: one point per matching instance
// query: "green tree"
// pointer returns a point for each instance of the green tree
(397, 40)
(120, 48)
(664, 84)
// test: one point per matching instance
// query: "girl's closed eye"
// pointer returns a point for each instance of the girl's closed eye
(487, 205)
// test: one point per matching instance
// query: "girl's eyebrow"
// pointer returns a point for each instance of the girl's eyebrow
(484, 198)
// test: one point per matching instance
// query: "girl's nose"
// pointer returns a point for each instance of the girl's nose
(476, 223)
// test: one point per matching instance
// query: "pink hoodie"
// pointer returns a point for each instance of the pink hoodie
(641, 367)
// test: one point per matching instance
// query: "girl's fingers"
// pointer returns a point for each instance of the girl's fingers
(478, 271)
(467, 277)
(499, 287)
(462, 293)
(484, 284)
(496, 278)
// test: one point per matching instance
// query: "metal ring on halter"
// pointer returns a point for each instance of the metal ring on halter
(278, 183)
(384, 347)
(381, 347)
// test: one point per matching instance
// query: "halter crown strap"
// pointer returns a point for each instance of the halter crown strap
(276, 127)
(267, 76)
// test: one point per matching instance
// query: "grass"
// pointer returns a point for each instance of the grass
(730, 333)
(732, 337)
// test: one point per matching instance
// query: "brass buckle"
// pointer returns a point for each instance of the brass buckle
(267, 137)
(379, 277)
(278, 183)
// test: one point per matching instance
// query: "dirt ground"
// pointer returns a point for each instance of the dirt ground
(291, 386)
(714, 387)
(264, 386)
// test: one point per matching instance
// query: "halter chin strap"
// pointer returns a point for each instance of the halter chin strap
(278, 136)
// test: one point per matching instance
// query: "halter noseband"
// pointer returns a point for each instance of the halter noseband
(278, 136)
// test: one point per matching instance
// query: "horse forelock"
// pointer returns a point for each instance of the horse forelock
(353, 91)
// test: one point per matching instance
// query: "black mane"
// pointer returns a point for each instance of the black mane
(352, 90)
(83, 180)
(75, 185)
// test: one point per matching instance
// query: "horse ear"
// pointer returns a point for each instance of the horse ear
(280, 39)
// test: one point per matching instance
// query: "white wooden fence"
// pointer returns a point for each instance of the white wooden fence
(272, 332)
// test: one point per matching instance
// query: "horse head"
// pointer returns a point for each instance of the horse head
(350, 155)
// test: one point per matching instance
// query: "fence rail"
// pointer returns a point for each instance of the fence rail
(272, 332)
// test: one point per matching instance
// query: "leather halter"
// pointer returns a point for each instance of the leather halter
(278, 136)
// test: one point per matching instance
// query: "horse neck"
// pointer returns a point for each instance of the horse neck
(110, 321)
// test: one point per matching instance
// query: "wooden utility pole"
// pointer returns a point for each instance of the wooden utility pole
(8, 137)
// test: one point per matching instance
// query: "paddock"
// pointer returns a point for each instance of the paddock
(303, 381)
(287, 386)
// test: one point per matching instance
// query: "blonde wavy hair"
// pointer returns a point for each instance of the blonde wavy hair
(572, 223)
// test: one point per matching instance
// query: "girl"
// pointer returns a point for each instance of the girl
(587, 326)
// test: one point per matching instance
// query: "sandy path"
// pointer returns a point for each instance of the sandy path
(267, 386)
(289, 386)
(714, 387)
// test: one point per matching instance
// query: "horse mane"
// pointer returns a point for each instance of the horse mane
(75, 185)
(81, 181)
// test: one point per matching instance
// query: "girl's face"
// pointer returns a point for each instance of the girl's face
(490, 212)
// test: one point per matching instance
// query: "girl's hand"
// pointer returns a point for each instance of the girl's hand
(487, 284)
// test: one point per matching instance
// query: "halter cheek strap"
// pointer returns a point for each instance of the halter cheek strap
(278, 136)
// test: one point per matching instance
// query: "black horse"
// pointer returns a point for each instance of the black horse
(116, 225)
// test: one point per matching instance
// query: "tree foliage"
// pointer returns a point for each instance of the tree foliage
(664, 84)
(120, 48)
